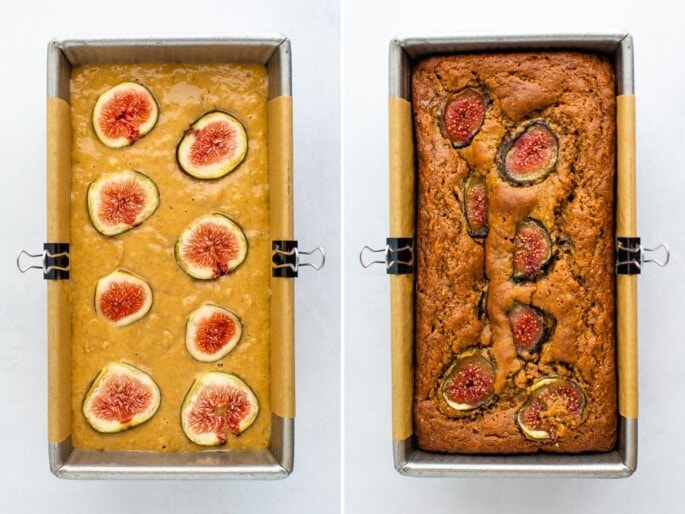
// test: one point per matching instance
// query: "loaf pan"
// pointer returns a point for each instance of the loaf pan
(66, 461)
(408, 459)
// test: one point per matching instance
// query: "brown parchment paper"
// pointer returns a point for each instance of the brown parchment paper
(626, 285)
(58, 216)
(280, 141)
(401, 286)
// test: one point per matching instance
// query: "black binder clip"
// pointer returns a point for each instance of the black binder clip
(631, 255)
(286, 258)
(54, 261)
(398, 255)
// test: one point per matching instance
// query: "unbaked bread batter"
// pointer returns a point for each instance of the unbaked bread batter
(156, 343)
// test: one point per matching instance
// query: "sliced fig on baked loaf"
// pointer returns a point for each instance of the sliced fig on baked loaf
(470, 382)
(532, 250)
(531, 155)
(530, 327)
(463, 116)
(554, 407)
(476, 206)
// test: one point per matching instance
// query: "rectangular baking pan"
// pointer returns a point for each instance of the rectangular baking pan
(409, 460)
(273, 51)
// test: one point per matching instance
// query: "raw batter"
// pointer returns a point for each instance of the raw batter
(156, 343)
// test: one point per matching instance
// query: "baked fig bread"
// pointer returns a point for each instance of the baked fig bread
(515, 344)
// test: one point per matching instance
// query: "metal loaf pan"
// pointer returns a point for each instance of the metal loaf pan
(409, 460)
(273, 51)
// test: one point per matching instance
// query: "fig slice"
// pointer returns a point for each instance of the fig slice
(463, 115)
(531, 156)
(121, 397)
(213, 146)
(532, 249)
(530, 327)
(217, 404)
(470, 382)
(212, 332)
(211, 246)
(122, 298)
(476, 206)
(124, 114)
(554, 406)
(121, 200)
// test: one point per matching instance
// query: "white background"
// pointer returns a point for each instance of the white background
(26, 484)
(372, 485)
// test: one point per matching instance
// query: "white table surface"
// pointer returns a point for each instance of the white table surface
(371, 484)
(26, 484)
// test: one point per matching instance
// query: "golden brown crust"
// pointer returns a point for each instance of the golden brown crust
(457, 275)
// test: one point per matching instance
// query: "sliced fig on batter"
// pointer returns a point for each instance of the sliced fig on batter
(212, 332)
(470, 382)
(213, 146)
(124, 114)
(212, 245)
(476, 206)
(530, 327)
(121, 397)
(217, 405)
(532, 249)
(463, 115)
(122, 298)
(121, 200)
(531, 155)
(554, 406)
